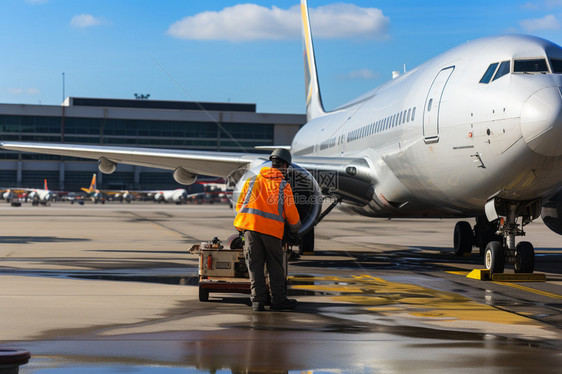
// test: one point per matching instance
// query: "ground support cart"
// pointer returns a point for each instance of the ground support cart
(223, 269)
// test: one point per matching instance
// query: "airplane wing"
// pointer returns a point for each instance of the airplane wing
(219, 164)
(348, 176)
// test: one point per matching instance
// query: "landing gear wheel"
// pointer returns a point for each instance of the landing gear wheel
(524, 258)
(203, 294)
(494, 257)
(463, 238)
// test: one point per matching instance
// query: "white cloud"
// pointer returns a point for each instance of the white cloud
(22, 91)
(85, 20)
(530, 6)
(548, 4)
(245, 22)
(553, 3)
(348, 20)
(548, 22)
(362, 74)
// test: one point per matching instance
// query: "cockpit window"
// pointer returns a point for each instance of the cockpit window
(530, 66)
(489, 73)
(502, 70)
(556, 65)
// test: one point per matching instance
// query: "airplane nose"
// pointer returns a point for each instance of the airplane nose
(541, 121)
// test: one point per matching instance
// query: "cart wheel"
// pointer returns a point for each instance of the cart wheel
(203, 294)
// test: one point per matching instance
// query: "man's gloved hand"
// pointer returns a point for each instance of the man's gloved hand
(291, 238)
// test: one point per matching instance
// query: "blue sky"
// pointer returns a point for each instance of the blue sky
(238, 51)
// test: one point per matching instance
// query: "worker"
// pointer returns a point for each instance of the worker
(265, 205)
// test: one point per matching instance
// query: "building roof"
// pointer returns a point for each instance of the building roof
(159, 104)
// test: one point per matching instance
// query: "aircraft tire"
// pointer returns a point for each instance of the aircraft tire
(525, 258)
(463, 238)
(203, 294)
(494, 257)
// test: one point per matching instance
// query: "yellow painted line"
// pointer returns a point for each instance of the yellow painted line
(388, 298)
(463, 273)
(531, 290)
(518, 286)
(519, 277)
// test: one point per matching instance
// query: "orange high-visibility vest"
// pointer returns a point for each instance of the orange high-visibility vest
(265, 203)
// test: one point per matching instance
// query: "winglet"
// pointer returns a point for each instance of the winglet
(314, 107)
(46, 188)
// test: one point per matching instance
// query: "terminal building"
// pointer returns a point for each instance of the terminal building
(228, 127)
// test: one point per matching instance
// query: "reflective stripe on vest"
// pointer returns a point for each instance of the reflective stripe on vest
(281, 199)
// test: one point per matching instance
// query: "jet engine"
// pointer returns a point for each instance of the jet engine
(306, 192)
(106, 166)
(551, 213)
(183, 176)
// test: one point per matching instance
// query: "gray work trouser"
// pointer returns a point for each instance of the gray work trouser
(259, 250)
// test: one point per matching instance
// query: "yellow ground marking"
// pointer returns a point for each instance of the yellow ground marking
(389, 298)
(518, 286)
(532, 290)
(463, 273)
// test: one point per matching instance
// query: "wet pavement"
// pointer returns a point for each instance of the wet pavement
(112, 289)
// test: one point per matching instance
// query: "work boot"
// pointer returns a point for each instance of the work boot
(258, 307)
(287, 304)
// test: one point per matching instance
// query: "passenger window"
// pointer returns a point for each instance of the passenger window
(489, 73)
(556, 65)
(429, 105)
(502, 70)
(530, 66)
(409, 112)
(413, 113)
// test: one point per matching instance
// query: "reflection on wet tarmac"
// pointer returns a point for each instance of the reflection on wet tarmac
(385, 298)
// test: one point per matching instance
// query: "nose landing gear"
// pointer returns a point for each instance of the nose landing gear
(495, 235)
(498, 253)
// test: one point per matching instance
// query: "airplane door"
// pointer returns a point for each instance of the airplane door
(432, 105)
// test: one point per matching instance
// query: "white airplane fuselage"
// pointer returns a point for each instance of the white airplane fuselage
(176, 196)
(439, 143)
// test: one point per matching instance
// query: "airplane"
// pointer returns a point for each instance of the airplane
(93, 193)
(7, 194)
(40, 196)
(474, 132)
(36, 195)
(99, 196)
(178, 196)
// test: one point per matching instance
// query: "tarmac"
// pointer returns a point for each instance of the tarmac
(112, 288)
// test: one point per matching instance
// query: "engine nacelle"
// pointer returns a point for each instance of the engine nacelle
(106, 166)
(183, 176)
(551, 213)
(306, 192)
